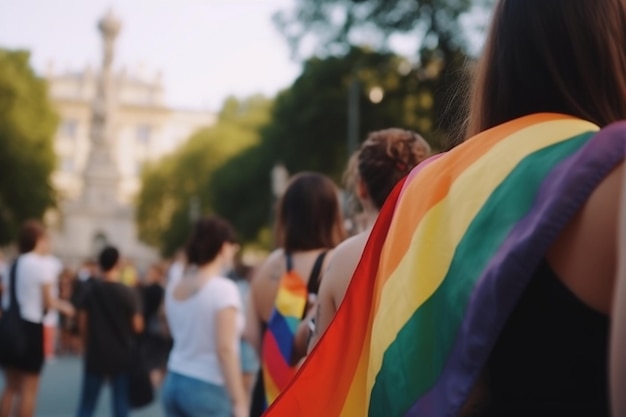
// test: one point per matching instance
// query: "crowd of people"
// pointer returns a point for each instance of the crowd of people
(219, 347)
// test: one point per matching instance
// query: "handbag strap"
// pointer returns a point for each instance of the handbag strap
(13, 303)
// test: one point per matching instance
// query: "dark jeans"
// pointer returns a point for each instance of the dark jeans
(91, 390)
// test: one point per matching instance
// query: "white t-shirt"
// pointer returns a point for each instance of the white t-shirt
(33, 271)
(192, 325)
(52, 317)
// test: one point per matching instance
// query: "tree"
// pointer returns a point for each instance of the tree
(171, 186)
(335, 25)
(307, 130)
(27, 126)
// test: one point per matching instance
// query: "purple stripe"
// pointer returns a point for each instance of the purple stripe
(560, 197)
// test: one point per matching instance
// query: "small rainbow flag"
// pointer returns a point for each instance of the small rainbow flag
(452, 251)
(278, 341)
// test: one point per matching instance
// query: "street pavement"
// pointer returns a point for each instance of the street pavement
(60, 390)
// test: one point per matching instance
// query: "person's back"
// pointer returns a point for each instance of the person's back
(109, 317)
(195, 350)
(110, 307)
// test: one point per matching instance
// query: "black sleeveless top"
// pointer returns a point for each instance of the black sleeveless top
(551, 358)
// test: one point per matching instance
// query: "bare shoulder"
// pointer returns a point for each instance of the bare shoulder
(342, 264)
(271, 269)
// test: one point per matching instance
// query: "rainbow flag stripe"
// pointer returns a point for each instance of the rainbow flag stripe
(279, 336)
(451, 252)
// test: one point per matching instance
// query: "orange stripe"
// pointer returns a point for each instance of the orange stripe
(344, 350)
(414, 205)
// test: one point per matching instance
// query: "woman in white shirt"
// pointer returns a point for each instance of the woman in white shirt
(33, 289)
(204, 313)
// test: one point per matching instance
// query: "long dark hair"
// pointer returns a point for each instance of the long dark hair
(562, 56)
(309, 215)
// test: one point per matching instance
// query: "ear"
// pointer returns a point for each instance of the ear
(361, 189)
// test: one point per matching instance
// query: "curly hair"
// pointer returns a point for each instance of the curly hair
(385, 158)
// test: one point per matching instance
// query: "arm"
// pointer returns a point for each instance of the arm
(227, 339)
(53, 303)
(138, 323)
(82, 326)
(617, 361)
(325, 309)
(252, 330)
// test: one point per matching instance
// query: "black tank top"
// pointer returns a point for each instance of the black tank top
(551, 358)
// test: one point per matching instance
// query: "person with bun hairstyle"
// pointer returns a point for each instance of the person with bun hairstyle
(204, 314)
(384, 158)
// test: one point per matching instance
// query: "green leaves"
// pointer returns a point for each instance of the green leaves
(164, 212)
(27, 127)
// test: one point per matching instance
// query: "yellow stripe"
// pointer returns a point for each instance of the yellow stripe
(290, 304)
(271, 391)
(431, 250)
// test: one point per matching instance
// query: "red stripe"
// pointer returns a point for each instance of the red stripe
(275, 364)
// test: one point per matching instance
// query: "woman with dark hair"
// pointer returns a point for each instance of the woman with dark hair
(308, 225)
(384, 158)
(33, 280)
(490, 274)
(205, 318)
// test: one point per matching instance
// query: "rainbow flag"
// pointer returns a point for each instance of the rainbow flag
(452, 251)
(279, 337)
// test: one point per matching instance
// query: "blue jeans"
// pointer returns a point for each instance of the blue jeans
(189, 397)
(92, 383)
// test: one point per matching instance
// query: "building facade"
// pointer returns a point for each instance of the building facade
(111, 123)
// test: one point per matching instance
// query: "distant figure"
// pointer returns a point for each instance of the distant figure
(156, 338)
(383, 159)
(308, 225)
(205, 317)
(33, 289)
(109, 317)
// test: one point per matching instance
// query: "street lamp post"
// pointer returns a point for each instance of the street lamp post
(353, 116)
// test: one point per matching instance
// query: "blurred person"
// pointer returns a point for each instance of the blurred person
(242, 274)
(384, 158)
(204, 314)
(308, 225)
(128, 273)
(33, 289)
(51, 318)
(109, 317)
(68, 343)
(156, 340)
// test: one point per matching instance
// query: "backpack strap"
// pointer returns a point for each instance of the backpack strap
(313, 285)
(289, 261)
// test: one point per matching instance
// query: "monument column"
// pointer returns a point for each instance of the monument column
(101, 176)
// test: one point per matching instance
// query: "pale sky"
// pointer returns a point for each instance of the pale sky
(205, 49)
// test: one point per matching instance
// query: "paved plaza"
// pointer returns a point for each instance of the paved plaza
(60, 388)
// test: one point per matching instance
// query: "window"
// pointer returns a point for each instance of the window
(143, 134)
(69, 128)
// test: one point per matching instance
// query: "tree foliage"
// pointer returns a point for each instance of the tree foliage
(308, 127)
(27, 126)
(334, 25)
(170, 186)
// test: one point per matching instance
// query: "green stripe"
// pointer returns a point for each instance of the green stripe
(412, 364)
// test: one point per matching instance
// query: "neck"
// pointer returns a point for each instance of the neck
(370, 213)
(210, 269)
(110, 276)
